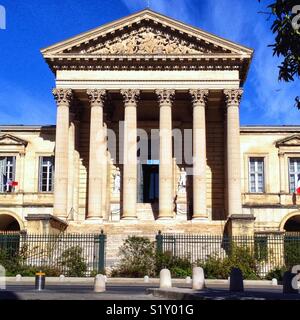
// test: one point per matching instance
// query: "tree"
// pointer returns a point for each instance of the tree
(286, 28)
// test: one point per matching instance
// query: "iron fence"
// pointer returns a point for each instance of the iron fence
(68, 254)
(270, 251)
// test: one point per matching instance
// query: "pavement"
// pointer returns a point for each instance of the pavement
(77, 292)
(137, 289)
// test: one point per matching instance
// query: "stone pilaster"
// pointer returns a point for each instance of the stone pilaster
(166, 206)
(71, 166)
(233, 98)
(63, 99)
(22, 174)
(199, 100)
(130, 154)
(104, 173)
(77, 170)
(282, 172)
(97, 154)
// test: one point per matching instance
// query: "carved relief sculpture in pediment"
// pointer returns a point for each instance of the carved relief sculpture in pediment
(145, 40)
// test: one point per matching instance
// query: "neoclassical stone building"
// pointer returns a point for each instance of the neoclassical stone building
(148, 138)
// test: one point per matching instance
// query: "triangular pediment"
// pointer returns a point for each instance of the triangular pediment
(146, 33)
(7, 139)
(293, 140)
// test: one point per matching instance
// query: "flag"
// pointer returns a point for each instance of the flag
(12, 183)
(298, 185)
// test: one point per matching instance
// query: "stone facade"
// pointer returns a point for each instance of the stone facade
(120, 81)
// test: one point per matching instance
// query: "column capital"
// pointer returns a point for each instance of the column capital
(97, 97)
(165, 96)
(199, 96)
(62, 96)
(233, 96)
(130, 96)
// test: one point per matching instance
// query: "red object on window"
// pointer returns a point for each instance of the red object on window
(15, 183)
(298, 185)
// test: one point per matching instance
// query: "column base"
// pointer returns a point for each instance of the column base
(199, 218)
(93, 220)
(129, 218)
(165, 218)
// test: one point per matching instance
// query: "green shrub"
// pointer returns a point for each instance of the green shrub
(214, 267)
(137, 258)
(291, 252)
(277, 273)
(239, 257)
(72, 261)
(177, 272)
(179, 267)
(94, 273)
(15, 264)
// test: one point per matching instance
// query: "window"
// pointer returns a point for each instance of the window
(7, 173)
(46, 174)
(294, 172)
(256, 175)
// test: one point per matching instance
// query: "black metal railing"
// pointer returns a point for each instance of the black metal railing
(270, 251)
(68, 254)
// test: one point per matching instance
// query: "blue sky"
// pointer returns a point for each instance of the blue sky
(26, 81)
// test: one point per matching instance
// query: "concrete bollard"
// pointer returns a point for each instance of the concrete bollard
(146, 279)
(165, 280)
(228, 280)
(274, 282)
(61, 278)
(99, 285)
(236, 280)
(188, 280)
(198, 278)
(18, 278)
(105, 278)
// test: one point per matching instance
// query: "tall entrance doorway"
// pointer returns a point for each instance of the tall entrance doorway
(151, 183)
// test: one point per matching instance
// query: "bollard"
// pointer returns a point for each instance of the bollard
(61, 278)
(105, 278)
(274, 282)
(287, 283)
(188, 280)
(99, 285)
(165, 280)
(18, 278)
(40, 280)
(236, 280)
(198, 278)
(146, 279)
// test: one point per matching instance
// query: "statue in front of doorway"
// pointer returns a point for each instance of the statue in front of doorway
(117, 181)
(182, 181)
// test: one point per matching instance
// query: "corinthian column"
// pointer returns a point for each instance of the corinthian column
(233, 98)
(97, 154)
(63, 99)
(165, 99)
(130, 154)
(199, 100)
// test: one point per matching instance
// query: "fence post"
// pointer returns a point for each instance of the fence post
(101, 262)
(159, 242)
